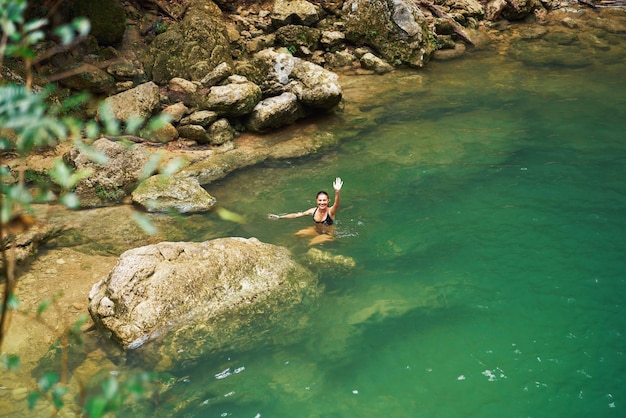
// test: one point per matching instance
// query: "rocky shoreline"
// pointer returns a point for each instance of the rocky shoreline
(228, 70)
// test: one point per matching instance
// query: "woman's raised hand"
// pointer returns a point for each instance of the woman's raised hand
(337, 184)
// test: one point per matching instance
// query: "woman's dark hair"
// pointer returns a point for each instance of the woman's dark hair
(321, 192)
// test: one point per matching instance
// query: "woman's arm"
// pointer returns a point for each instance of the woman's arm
(337, 186)
(292, 215)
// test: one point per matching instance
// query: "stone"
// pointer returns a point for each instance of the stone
(274, 112)
(220, 132)
(231, 100)
(370, 61)
(164, 194)
(110, 182)
(299, 12)
(201, 117)
(198, 297)
(219, 73)
(139, 101)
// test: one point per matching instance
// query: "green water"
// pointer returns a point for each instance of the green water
(485, 207)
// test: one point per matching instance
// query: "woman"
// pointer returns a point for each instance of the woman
(323, 216)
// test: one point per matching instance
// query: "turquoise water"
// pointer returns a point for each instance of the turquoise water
(484, 206)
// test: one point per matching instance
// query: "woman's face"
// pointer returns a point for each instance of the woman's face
(322, 200)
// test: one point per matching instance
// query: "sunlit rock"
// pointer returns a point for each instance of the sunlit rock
(166, 194)
(195, 297)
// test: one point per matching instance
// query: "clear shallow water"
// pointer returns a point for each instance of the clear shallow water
(485, 209)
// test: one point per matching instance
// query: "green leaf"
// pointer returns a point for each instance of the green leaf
(61, 174)
(43, 306)
(33, 397)
(133, 124)
(151, 166)
(145, 224)
(13, 302)
(159, 121)
(34, 25)
(92, 130)
(110, 388)
(57, 396)
(66, 33)
(96, 407)
(11, 362)
(173, 166)
(111, 124)
(82, 25)
(47, 381)
(94, 155)
(70, 200)
(74, 332)
(34, 37)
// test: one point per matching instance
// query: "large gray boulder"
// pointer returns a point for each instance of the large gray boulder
(194, 296)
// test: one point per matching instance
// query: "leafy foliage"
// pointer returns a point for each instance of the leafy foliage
(30, 121)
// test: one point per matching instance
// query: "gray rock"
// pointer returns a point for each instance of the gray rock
(164, 194)
(195, 297)
(328, 265)
(192, 48)
(125, 70)
(219, 73)
(298, 36)
(139, 101)
(315, 86)
(232, 99)
(450, 54)
(109, 183)
(166, 133)
(332, 39)
(220, 132)
(299, 12)
(466, 8)
(181, 85)
(26, 244)
(396, 29)
(370, 61)
(201, 117)
(176, 111)
(339, 59)
(193, 132)
(274, 112)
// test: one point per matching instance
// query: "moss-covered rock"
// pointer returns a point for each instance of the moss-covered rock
(108, 19)
(191, 49)
(397, 30)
